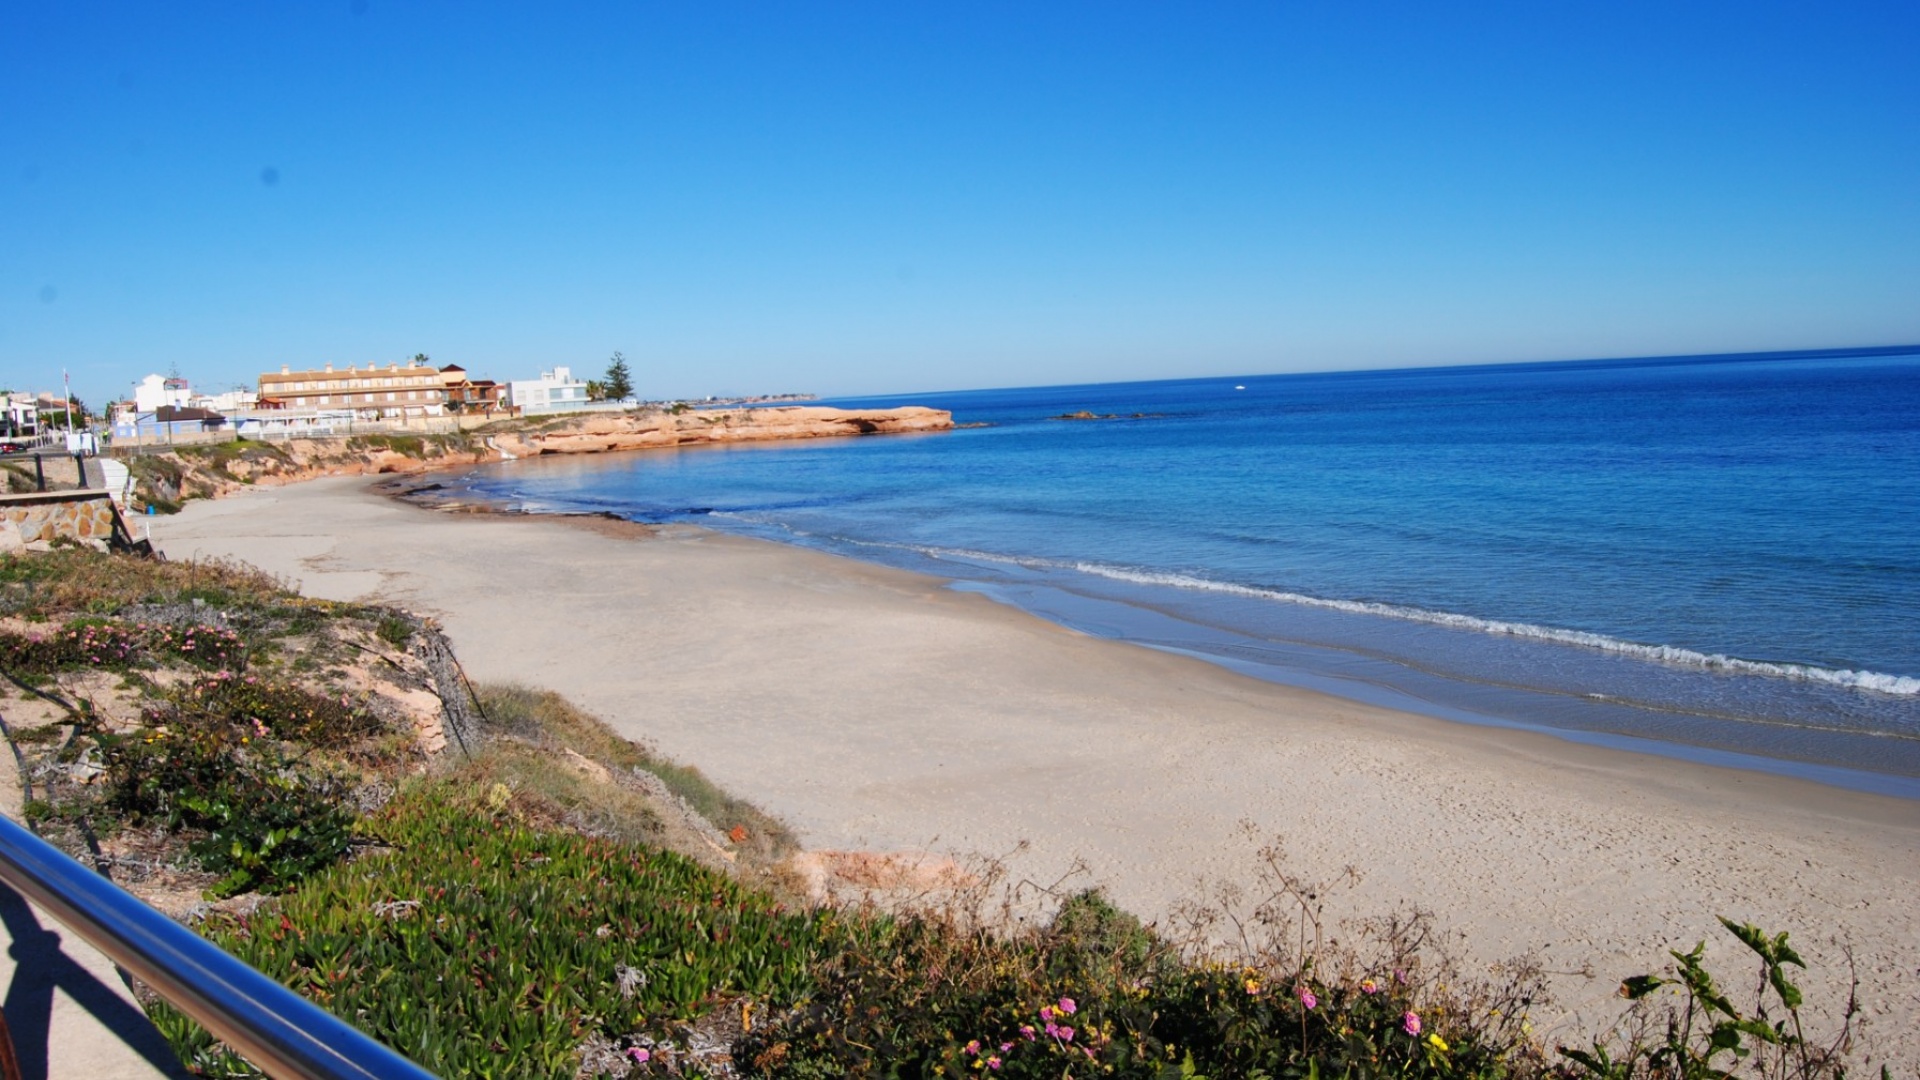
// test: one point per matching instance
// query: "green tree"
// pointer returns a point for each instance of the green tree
(618, 384)
(58, 417)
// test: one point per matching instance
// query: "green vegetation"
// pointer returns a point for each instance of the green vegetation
(483, 946)
(618, 382)
(542, 898)
(413, 446)
(232, 736)
(211, 769)
(1706, 1036)
(40, 587)
(546, 724)
(167, 478)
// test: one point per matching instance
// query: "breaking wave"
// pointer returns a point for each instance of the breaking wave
(1876, 682)
(1898, 685)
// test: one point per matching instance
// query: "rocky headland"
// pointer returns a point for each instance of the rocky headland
(166, 479)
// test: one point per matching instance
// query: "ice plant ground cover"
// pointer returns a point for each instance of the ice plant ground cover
(538, 897)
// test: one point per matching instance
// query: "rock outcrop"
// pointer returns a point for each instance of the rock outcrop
(216, 469)
(601, 433)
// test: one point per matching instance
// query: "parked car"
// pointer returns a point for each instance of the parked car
(13, 448)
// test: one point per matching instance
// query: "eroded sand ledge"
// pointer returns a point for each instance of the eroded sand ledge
(874, 708)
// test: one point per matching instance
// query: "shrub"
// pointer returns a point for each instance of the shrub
(83, 580)
(281, 709)
(213, 647)
(480, 947)
(1707, 1036)
(100, 644)
(1094, 993)
(394, 630)
(257, 817)
(210, 762)
(85, 643)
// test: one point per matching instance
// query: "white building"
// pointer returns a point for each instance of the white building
(157, 391)
(228, 403)
(553, 391)
(18, 415)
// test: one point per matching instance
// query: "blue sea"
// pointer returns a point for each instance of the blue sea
(1716, 557)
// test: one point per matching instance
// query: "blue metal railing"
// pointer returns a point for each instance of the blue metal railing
(280, 1032)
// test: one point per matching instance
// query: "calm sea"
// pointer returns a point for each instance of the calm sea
(1717, 558)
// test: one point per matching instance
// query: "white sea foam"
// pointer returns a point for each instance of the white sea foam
(1898, 685)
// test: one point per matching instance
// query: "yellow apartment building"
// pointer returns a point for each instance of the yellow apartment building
(397, 391)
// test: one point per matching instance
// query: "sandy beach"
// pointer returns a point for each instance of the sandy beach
(876, 709)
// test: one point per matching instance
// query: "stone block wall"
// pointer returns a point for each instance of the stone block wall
(87, 516)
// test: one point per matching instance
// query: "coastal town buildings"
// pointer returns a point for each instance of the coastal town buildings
(554, 391)
(157, 392)
(19, 415)
(226, 403)
(469, 395)
(397, 391)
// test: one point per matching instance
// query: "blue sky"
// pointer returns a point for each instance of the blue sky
(873, 198)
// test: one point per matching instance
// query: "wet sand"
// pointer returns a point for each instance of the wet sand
(876, 709)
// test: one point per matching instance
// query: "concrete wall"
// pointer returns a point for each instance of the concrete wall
(87, 516)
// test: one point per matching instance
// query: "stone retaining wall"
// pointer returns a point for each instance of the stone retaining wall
(38, 518)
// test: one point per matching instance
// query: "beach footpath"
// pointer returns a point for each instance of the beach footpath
(876, 710)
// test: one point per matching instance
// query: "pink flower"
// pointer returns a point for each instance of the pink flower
(1053, 1029)
(1368, 986)
(972, 1049)
(1065, 1034)
(1046, 1012)
(1026, 1032)
(1307, 998)
(1410, 1023)
(1067, 1006)
(640, 1056)
(1006, 1046)
(993, 1063)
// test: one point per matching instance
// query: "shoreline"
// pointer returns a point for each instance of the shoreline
(1509, 708)
(875, 708)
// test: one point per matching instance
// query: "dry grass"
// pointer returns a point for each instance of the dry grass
(82, 581)
(554, 738)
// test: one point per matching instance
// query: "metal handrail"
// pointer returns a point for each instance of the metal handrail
(278, 1031)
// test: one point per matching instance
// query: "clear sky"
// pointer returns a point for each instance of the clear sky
(887, 197)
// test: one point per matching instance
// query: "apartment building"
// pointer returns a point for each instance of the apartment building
(397, 391)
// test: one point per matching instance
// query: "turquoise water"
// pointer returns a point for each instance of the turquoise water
(1718, 558)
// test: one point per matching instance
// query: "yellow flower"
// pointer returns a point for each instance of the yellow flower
(1439, 1043)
